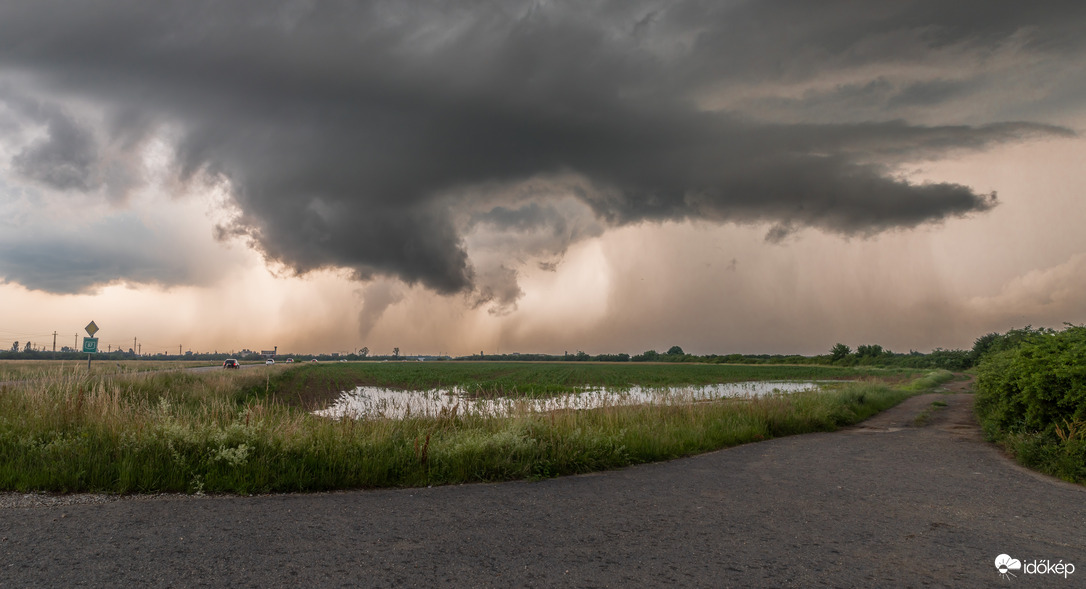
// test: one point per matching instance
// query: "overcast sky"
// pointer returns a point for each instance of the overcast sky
(450, 177)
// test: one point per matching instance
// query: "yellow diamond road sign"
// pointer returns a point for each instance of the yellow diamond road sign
(91, 328)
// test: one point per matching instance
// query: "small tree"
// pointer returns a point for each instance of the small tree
(364, 352)
(396, 352)
(839, 352)
(15, 346)
(27, 347)
(984, 344)
(647, 356)
(675, 351)
(869, 351)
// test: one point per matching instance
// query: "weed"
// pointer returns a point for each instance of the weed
(1071, 430)
(234, 432)
(924, 416)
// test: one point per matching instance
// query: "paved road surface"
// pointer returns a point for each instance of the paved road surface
(887, 504)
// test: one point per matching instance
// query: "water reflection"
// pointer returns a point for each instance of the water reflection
(374, 402)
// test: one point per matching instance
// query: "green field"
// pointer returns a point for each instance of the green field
(316, 382)
(250, 431)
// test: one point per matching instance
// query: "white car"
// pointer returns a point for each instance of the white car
(270, 361)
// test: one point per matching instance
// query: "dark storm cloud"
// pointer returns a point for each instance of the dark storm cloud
(345, 127)
(64, 159)
(65, 154)
(793, 39)
(498, 289)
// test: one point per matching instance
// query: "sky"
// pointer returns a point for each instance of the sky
(540, 176)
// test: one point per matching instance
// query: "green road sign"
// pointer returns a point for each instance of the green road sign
(90, 345)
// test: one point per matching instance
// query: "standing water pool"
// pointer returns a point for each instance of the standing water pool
(376, 403)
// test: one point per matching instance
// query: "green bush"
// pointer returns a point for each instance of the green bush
(1032, 398)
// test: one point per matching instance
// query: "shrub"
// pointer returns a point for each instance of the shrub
(1030, 395)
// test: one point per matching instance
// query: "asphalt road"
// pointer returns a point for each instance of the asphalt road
(886, 504)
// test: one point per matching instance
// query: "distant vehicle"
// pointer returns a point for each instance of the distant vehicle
(231, 363)
(290, 360)
(270, 361)
(313, 360)
(342, 360)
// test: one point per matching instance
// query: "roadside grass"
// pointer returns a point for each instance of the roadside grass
(16, 370)
(231, 432)
(930, 380)
(1062, 456)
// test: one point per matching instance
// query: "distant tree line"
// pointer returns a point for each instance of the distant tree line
(67, 353)
(983, 346)
(840, 354)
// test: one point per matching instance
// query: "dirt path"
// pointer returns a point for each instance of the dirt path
(897, 501)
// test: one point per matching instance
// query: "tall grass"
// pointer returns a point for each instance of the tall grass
(229, 432)
(16, 370)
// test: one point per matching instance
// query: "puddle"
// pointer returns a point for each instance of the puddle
(374, 402)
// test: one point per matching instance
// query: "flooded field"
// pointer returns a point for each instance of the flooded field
(376, 402)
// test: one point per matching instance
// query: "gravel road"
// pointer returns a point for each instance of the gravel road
(890, 503)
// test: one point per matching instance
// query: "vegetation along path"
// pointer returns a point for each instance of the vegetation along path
(912, 497)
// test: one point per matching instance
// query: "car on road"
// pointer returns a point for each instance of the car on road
(230, 363)
(290, 360)
(270, 361)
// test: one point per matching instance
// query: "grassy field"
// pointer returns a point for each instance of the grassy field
(34, 369)
(232, 431)
(315, 384)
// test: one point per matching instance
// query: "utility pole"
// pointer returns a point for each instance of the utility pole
(54, 342)
(75, 343)
(133, 344)
(179, 350)
(140, 350)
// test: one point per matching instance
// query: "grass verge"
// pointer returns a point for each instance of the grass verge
(17, 370)
(230, 433)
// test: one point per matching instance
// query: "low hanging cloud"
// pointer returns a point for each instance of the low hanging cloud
(64, 159)
(79, 258)
(61, 153)
(388, 138)
(1049, 295)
